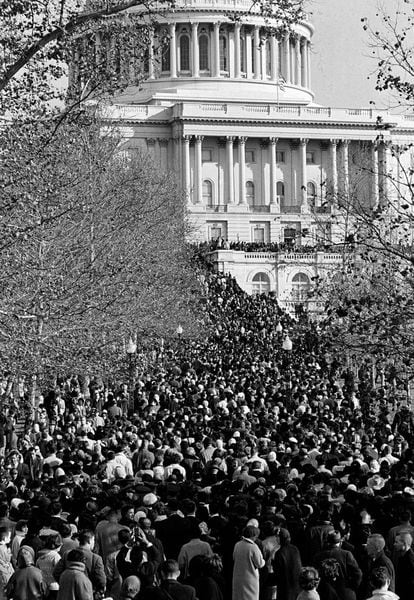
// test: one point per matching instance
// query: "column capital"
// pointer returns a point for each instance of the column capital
(187, 138)
(217, 24)
(334, 142)
(172, 26)
(151, 141)
(199, 138)
(273, 141)
(242, 140)
(303, 141)
(230, 138)
(237, 26)
(345, 142)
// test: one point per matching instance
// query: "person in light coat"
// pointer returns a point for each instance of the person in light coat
(248, 559)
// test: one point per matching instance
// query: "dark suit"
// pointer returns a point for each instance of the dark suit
(172, 534)
(287, 566)
(167, 590)
(350, 573)
(404, 576)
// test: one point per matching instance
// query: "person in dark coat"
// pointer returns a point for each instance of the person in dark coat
(171, 531)
(27, 581)
(287, 566)
(350, 574)
(377, 558)
(74, 583)
(404, 568)
(170, 588)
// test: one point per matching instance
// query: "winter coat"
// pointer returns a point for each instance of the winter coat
(27, 582)
(46, 562)
(74, 584)
(248, 559)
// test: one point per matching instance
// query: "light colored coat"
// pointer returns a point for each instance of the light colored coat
(248, 560)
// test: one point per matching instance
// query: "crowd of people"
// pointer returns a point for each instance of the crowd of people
(289, 246)
(237, 468)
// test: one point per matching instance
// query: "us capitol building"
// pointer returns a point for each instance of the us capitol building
(227, 104)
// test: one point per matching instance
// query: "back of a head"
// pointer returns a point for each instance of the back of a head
(169, 568)
(308, 578)
(86, 536)
(284, 536)
(130, 588)
(379, 577)
(25, 557)
(250, 532)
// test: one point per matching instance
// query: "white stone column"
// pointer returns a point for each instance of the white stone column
(216, 50)
(383, 162)
(286, 53)
(333, 160)
(242, 169)
(273, 166)
(309, 70)
(151, 70)
(263, 58)
(297, 61)
(303, 144)
(374, 175)
(187, 171)
(173, 51)
(248, 42)
(345, 168)
(237, 54)
(274, 49)
(199, 169)
(304, 54)
(256, 52)
(230, 168)
(194, 39)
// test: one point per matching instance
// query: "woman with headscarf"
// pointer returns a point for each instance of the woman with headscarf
(27, 581)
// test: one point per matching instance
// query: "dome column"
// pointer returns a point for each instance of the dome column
(298, 65)
(383, 161)
(195, 53)
(173, 51)
(345, 169)
(286, 57)
(237, 50)
(257, 52)
(274, 49)
(248, 42)
(304, 55)
(216, 46)
(308, 60)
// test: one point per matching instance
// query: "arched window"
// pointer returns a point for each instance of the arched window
(250, 192)
(207, 193)
(269, 58)
(203, 52)
(300, 287)
(260, 284)
(311, 193)
(184, 53)
(280, 192)
(223, 53)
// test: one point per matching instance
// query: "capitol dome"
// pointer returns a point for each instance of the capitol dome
(224, 51)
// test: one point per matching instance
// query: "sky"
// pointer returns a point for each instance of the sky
(342, 61)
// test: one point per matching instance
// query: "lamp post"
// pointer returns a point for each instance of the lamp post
(131, 351)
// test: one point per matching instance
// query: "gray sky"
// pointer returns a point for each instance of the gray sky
(342, 60)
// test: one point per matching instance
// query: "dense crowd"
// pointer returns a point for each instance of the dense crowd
(236, 468)
(290, 246)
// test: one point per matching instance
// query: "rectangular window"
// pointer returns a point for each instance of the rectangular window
(280, 156)
(250, 156)
(207, 155)
(258, 234)
(310, 158)
(215, 232)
